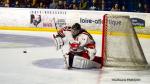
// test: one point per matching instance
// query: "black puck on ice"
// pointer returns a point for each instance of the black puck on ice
(24, 51)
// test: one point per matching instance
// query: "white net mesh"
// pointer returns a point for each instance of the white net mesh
(122, 47)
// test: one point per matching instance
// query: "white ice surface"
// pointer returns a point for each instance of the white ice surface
(44, 65)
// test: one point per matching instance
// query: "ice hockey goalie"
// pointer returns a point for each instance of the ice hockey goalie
(78, 47)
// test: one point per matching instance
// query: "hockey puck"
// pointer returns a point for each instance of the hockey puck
(24, 51)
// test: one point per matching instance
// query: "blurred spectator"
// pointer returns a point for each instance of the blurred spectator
(17, 5)
(6, 3)
(140, 7)
(123, 8)
(94, 5)
(41, 5)
(102, 4)
(53, 5)
(106, 5)
(115, 7)
(47, 2)
(28, 3)
(83, 5)
(22, 3)
(66, 5)
(1, 3)
(34, 3)
(60, 4)
(146, 8)
(74, 6)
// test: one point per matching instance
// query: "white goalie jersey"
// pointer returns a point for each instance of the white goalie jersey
(80, 45)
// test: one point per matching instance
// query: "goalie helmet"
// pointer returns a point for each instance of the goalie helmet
(75, 29)
(76, 26)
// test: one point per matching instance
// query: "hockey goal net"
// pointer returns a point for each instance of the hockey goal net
(120, 45)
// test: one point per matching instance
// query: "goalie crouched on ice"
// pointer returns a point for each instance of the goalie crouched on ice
(81, 52)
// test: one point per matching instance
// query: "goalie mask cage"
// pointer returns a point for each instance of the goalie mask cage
(120, 45)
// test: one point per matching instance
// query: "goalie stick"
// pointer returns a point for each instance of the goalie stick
(55, 25)
(59, 47)
(60, 43)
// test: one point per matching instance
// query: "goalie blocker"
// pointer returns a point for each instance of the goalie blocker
(81, 51)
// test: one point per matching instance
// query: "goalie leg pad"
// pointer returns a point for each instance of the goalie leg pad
(91, 53)
(66, 61)
(83, 63)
